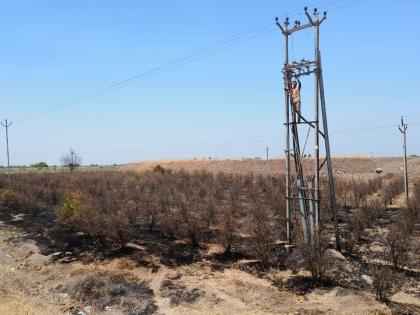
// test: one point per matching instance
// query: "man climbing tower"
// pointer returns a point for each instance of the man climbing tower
(295, 94)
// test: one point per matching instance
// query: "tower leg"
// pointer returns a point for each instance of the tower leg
(328, 157)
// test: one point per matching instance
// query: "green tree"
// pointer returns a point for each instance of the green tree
(40, 165)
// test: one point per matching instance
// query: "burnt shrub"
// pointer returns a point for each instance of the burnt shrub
(209, 208)
(103, 289)
(9, 199)
(356, 226)
(122, 206)
(118, 227)
(312, 256)
(178, 293)
(262, 232)
(80, 213)
(151, 210)
(342, 191)
(193, 224)
(397, 242)
(359, 191)
(408, 218)
(371, 211)
(29, 204)
(416, 194)
(392, 187)
(170, 221)
(383, 280)
(227, 228)
(349, 241)
(375, 183)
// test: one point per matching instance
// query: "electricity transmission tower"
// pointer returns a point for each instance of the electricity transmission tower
(266, 152)
(403, 128)
(6, 125)
(303, 188)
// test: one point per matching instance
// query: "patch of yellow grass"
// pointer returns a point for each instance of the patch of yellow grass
(22, 305)
(17, 296)
(124, 268)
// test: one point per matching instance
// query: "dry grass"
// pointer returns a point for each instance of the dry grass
(350, 165)
(18, 305)
(16, 300)
(237, 292)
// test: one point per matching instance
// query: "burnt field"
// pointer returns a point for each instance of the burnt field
(200, 240)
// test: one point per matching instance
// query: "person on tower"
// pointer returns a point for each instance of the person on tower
(295, 94)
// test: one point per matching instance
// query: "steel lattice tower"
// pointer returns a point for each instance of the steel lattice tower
(303, 185)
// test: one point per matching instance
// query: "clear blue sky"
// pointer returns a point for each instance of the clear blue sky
(229, 104)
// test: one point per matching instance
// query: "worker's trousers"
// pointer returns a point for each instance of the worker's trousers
(297, 110)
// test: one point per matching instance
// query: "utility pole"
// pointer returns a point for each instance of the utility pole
(285, 31)
(72, 159)
(7, 125)
(266, 149)
(304, 190)
(403, 128)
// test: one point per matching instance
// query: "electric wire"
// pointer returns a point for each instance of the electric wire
(149, 73)
(235, 39)
(240, 37)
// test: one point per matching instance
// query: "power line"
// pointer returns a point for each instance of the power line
(365, 122)
(369, 128)
(151, 73)
(346, 5)
(169, 63)
(233, 40)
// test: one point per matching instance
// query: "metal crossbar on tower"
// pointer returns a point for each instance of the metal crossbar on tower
(304, 185)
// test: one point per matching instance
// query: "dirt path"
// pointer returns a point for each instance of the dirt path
(162, 302)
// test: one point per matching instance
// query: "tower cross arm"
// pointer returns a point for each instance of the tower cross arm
(309, 17)
(323, 18)
(281, 27)
(6, 124)
(301, 27)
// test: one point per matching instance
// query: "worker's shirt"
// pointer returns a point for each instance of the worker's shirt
(296, 94)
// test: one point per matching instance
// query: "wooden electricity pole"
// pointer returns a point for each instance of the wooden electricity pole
(7, 125)
(403, 128)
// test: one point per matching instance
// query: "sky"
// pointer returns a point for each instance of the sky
(225, 102)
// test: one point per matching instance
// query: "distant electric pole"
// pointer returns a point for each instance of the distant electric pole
(7, 125)
(266, 151)
(403, 129)
(72, 153)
